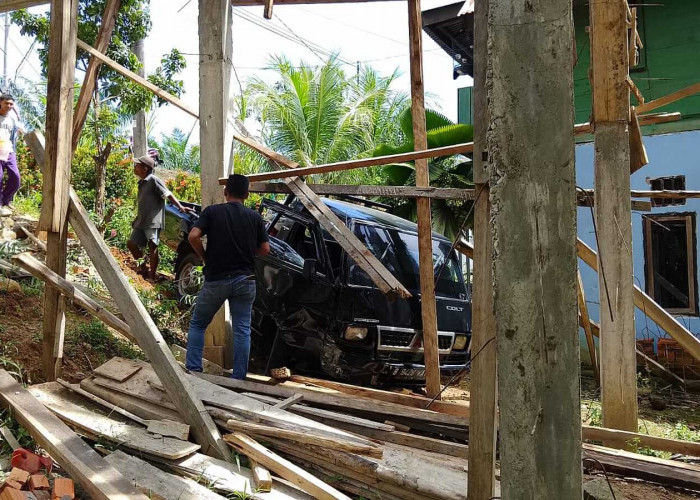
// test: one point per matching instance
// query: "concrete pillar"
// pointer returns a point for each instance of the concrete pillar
(140, 136)
(530, 148)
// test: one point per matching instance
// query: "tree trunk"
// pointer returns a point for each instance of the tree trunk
(101, 178)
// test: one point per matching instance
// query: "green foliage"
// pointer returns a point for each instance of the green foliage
(96, 335)
(29, 170)
(120, 183)
(176, 152)
(133, 23)
(118, 225)
(317, 115)
(186, 187)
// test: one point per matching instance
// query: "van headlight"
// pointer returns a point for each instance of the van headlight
(355, 333)
(460, 342)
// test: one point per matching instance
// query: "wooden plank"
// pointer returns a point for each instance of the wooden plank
(56, 172)
(146, 332)
(180, 352)
(650, 119)
(137, 79)
(301, 437)
(118, 369)
(433, 193)
(586, 321)
(332, 418)
(425, 228)
(385, 281)
(414, 401)
(268, 9)
(261, 476)
(668, 194)
(9, 437)
(227, 478)
(39, 270)
(82, 463)
(668, 472)
(158, 484)
(40, 244)
(638, 153)
(85, 417)
(284, 468)
(654, 311)
(419, 154)
(670, 98)
(290, 401)
(9, 5)
(104, 35)
(59, 116)
(611, 116)
(625, 440)
(339, 401)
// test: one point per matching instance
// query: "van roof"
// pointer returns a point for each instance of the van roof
(353, 211)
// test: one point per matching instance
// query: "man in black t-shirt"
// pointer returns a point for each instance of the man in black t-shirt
(235, 235)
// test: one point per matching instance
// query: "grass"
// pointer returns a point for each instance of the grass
(95, 335)
(29, 205)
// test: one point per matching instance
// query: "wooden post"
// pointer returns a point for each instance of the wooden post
(216, 135)
(425, 231)
(530, 146)
(54, 210)
(482, 420)
(611, 116)
(586, 323)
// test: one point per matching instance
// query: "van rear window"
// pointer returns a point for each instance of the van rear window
(398, 251)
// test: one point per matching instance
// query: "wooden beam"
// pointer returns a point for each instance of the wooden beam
(483, 422)
(99, 480)
(425, 228)
(348, 402)
(104, 35)
(137, 79)
(586, 321)
(611, 115)
(380, 276)
(65, 287)
(654, 311)
(651, 119)
(668, 99)
(361, 163)
(623, 440)
(533, 227)
(434, 193)
(146, 332)
(284, 468)
(638, 153)
(56, 173)
(268, 9)
(9, 5)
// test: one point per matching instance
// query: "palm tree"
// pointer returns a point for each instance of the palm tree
(317, 115)
(176, 152)
(448, 216)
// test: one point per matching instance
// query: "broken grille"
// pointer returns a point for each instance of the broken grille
(406, 339)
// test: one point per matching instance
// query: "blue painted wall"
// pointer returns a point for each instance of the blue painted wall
(669, 155)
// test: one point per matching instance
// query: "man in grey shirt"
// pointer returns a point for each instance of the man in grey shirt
(150, 217)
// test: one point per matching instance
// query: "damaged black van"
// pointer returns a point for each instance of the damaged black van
(317, 310)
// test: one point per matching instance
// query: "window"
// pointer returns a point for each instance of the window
(670, 252)
(675, 183)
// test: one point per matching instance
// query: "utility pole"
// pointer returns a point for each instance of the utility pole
(4, 49)
(140, 136)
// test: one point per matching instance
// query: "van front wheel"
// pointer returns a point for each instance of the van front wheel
(188, 276)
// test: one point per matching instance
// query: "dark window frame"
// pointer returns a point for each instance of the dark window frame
(690, 220)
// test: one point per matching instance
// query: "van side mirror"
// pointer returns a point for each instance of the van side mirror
(309, 271)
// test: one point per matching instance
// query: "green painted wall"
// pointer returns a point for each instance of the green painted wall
(669, 61)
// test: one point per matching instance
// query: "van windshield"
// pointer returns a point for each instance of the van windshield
(398, 251)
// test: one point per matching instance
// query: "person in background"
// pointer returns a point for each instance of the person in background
(235, 235)
(150, 216)
(9, 126)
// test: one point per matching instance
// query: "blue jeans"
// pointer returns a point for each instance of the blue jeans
(240, 293)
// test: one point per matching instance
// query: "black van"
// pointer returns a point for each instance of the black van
(317, 310)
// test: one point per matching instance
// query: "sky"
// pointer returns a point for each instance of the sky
(374, 33)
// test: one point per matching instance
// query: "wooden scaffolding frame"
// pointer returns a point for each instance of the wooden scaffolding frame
(614, 124)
